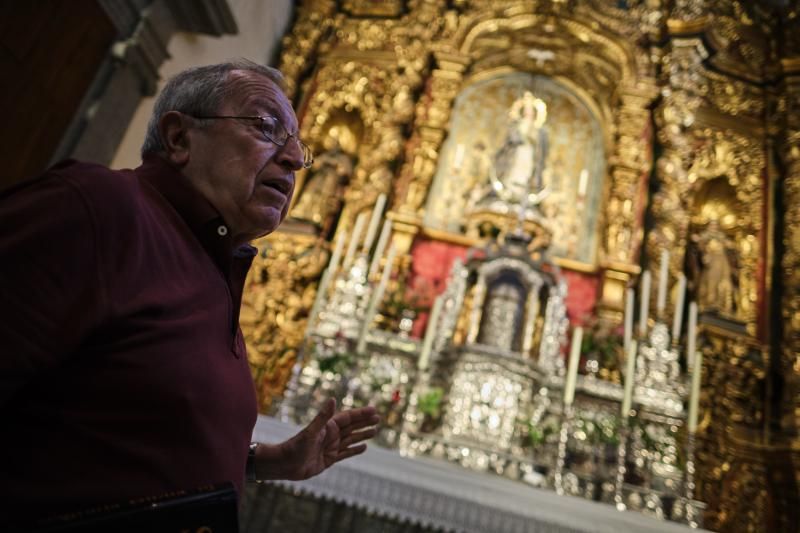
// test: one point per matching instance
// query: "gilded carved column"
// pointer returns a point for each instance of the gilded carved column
(674, 118)
(789, 152)
(433, 116)
(627, 193)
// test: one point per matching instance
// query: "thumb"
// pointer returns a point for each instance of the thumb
(325, 414)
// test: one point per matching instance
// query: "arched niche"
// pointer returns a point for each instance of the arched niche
(575, 165)
(717, 247)
(319, 190)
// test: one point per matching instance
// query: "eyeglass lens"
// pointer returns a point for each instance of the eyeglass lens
(276, 132)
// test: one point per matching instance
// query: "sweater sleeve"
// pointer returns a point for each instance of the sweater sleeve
(51, 293)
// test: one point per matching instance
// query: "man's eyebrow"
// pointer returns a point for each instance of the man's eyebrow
(265, 105)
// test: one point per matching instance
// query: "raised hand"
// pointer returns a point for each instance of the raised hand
(328, 439)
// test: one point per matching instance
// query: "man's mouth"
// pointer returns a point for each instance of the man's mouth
(279, 186)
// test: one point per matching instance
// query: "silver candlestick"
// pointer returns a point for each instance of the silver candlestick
(566, 427)
(691, 517)
(622, 448)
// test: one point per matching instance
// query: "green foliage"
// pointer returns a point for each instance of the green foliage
(336, 363)
(604, 343)
(604, 430)
(430, 403)
(537, 435)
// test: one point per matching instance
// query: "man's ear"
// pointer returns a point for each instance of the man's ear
(174, 129)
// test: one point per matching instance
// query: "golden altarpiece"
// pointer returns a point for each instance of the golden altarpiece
(533, 164)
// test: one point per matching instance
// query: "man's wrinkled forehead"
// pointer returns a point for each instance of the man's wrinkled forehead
(254, 93)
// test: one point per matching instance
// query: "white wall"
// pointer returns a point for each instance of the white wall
(261, 24)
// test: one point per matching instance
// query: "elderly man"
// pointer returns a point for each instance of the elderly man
(123, 371)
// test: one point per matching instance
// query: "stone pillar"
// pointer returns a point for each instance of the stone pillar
(131, 70)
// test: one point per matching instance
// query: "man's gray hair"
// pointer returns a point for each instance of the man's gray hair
(199, 91)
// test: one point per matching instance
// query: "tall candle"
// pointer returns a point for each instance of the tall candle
(375, 300)
(355, 238)
(694, 398)
(644, 303)
(572, 369)
(691, 336)
(458, 160)
(583, 182)
(321, 290)
(628, 319)
(630, 367)
(387, 273)
(677, 318)
(430, 333)
(383, 240)
(377, 213)
(337, 253)
(663, 274)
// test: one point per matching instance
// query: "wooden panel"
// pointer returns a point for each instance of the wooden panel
(50, 51)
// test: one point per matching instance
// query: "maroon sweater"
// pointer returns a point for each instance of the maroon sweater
(123, 371)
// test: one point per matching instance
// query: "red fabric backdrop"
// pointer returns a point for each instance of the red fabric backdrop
(431, 264)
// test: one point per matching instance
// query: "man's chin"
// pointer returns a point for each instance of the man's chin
(268, 222)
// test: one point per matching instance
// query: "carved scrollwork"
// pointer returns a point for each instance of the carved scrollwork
(738, 371)
(279, 290)
(789, 153)
(314, 21)
(433, 113)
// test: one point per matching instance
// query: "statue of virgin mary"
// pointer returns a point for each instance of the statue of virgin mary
(520, 161)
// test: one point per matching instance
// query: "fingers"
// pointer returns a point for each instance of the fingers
(357, 436)
(345, 428)
(357, 418)
(350, 452)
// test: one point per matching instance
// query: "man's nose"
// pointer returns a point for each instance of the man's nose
(290, 155)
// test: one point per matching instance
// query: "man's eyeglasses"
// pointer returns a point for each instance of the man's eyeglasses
(275, 132)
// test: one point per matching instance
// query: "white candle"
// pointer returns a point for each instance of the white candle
(628, 319)
(387, 272)
(583, 182)
(383, 240)
(572, 370)
(458, 160)
(375, 300)
(321, 290)
(677, 319)
(663, 274)
(377, 213)
(355, 237)
(630, 367)
(430, 333)
(694, 399)
(337, 253)
(644, 303)
(691, 336)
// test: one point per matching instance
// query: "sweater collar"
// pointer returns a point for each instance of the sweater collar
(202, 218)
